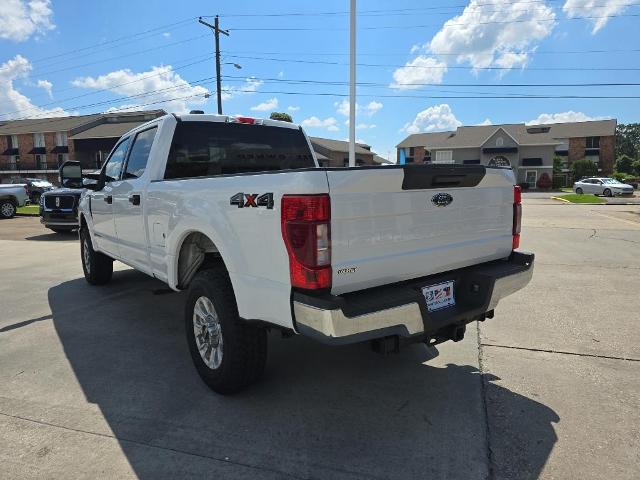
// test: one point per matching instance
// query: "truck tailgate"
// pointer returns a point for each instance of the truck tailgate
(386, 226)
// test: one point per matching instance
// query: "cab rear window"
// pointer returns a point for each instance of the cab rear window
(202, 149)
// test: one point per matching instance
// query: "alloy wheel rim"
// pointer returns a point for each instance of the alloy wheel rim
(7, 209)
(207, 332)
(85, 255)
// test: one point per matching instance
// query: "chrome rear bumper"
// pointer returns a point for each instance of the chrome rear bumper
(331, 325)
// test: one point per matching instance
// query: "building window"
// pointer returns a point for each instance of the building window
(412, 151)
(592, 158)
(444, 156)
(14, 161)
(593, 142)
(61, 139)
(38, 140)
(12, 140)
(499, 142)
(41, 162)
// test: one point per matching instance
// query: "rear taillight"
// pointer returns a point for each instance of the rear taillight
(517, 216)
(248, 120)
(306, 230)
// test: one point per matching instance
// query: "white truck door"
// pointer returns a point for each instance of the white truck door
(129, 199)
(102, 201)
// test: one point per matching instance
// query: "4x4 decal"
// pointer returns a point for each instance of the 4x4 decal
(242, 200)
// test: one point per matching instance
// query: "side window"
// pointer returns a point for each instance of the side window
(139, 153)
(114, 165)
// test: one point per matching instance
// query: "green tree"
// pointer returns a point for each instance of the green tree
(583, 168)
(282, 116)
(558, 164)
(636, 168)
(624, 164)
(628, 140)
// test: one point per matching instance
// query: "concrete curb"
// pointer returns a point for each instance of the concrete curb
(591, 204)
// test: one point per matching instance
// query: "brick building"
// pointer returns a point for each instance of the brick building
(335, 153)
(37, 147)
(528, 149)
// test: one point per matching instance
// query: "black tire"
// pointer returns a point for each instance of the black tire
(607, 192)
(97, 267)
(579, 191)
(243, 347)
(7, 209)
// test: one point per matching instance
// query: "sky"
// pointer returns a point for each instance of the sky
(422, 66)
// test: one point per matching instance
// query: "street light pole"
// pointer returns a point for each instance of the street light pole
(216, 33)
(352, 85)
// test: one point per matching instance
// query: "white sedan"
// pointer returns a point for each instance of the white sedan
(602, 186)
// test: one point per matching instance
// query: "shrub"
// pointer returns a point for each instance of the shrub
(558, 182)
(583, 168)
(283, 116)
(544, 182)
(524, 186)
(636, 168)
(624, 164)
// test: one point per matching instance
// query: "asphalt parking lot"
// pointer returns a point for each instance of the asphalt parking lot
(97, 382)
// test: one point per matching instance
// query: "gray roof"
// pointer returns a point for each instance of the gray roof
(41, 125)
(382, 160)
(475, 136)
(65, 124)
(319, 156)
(107, 130)
(339, 145)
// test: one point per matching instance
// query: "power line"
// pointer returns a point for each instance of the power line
(492, 85)
(446, 25)
(111, 88)
(386, 65)
(406, 11)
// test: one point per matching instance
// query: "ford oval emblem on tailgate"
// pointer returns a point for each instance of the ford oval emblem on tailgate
(441, 199)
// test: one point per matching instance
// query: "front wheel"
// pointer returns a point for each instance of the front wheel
(579, 191)
(7, 209)
(229, 354)
(97, 267)
(607, 193)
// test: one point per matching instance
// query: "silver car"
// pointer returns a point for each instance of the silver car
(602, 186)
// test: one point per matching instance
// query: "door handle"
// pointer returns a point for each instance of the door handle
(108, 199)
(134, 199)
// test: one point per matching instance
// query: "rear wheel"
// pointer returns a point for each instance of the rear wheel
(579, 191)
(97, 267)
(607, 192)
(229, 354)
(7, 209)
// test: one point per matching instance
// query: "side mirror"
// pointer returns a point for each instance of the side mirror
(71, 174)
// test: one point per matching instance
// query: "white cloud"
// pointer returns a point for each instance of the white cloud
(420, 70)
(369, 109)
(292, 108)
(20, 19)
(486, 121)
(329, 123)
(270, 104)
(594, 8)
(281, 74)
(364, 126)
(499, 33)
(436, 118)
(170, 91)
(46, 85)
(166, 34)
(569, 116)
(12, 101)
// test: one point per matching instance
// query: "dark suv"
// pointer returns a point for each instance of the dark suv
(59, 209)
(35, 187)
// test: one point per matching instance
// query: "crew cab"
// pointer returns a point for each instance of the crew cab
(236, 211)
(12, 197)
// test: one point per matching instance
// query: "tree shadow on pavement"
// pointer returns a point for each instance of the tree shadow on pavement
(319, 412)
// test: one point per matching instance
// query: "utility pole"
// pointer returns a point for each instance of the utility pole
(216, 33)
(352, 85)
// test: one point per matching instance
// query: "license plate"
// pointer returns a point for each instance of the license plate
(439, 296)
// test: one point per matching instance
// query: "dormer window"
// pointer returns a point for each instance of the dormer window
(499, 142)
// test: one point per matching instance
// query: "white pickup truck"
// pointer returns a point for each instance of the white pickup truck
(236, 211)
(12, 197)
